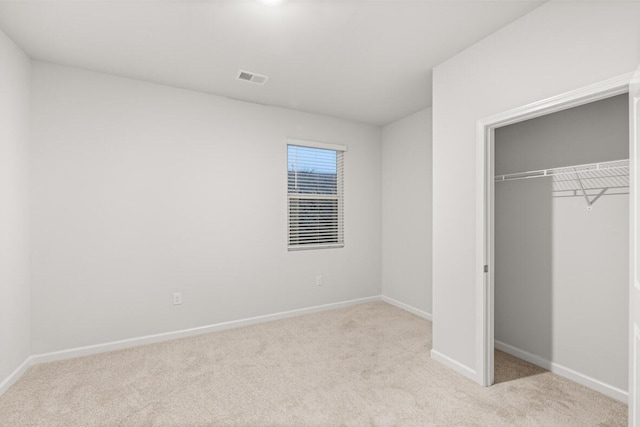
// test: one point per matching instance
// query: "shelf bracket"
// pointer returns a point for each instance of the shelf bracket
(584, 193)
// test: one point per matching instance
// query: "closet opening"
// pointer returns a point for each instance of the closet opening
(553, 240)
(561, 246)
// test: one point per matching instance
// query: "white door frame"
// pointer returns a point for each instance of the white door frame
(485, 202)
(634, 288)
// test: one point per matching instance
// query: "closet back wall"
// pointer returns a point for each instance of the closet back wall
(142, 190)
(562, 271)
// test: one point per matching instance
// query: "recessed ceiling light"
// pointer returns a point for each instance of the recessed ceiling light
(272, 2)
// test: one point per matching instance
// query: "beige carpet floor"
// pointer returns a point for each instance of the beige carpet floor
(364, 365)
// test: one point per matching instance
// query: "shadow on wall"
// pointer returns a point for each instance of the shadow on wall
(561, 277)
(524, 267)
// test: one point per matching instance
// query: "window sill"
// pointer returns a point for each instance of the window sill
(309, 247)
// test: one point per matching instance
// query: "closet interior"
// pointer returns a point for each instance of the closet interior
(562, 243)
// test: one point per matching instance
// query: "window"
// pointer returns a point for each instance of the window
(315, 195)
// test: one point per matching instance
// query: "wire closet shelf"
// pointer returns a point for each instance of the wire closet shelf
(588, 178)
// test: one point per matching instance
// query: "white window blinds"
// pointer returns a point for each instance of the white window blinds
(315, 179)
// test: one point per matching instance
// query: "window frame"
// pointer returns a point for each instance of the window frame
(339, 197)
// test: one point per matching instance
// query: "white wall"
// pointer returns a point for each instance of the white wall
(15, 76)
(406, 210)
(558, 47)
(141, 190)
(561, 271)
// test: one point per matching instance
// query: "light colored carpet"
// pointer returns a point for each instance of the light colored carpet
(364, 365)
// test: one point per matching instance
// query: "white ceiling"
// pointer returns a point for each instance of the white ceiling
(367, 61)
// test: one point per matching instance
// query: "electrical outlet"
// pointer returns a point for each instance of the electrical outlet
(319, 280)
(177, 298)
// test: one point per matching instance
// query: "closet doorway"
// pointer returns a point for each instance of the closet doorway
(561, 246)
(556, 183)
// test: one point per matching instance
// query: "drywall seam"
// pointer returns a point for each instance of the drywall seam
(407, 307)
(592, 383)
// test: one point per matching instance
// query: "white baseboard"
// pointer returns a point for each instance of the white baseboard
(454, 364)
(408, 308)
(15, 375)
(149, 339)
(592, 383)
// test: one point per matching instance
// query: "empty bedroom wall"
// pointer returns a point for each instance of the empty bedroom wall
(15, 310)
(562, 271)
(142, 190)
(406, 210)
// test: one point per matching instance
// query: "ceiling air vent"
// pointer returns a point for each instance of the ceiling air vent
(248, 76)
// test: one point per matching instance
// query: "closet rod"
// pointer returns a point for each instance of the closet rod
(590, 168)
